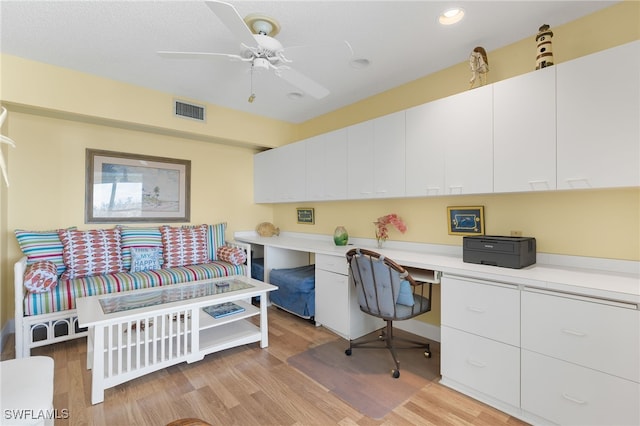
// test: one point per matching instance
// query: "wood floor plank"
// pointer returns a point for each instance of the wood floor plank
(244, 386)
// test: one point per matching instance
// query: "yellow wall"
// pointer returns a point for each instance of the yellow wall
(56, 113)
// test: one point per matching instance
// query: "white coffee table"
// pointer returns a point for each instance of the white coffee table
(137, 332)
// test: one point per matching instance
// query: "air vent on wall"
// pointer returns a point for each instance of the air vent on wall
(186, 110)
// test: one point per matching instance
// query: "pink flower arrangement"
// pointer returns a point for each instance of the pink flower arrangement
(382, 233)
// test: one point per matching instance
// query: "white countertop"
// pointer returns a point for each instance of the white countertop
(587, 280)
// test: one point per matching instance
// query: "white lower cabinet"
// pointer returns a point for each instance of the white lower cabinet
(487, 366)
(568, 394)
(336, 303)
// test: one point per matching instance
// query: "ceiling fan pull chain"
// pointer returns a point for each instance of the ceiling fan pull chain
(252, 97)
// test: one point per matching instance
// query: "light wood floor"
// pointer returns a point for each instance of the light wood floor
(243, 386)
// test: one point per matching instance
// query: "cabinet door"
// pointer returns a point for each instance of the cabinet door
(568, 394)
(332, 301)
(424, 152)
(327, 166)
(466, 130)
(389, 155)
(264, 176)
(482, 364)
(316, 170)
(360, 160)
(599, 119)
(290, 173)
(524, 139)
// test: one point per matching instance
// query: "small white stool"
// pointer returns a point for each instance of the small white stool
(26, 391)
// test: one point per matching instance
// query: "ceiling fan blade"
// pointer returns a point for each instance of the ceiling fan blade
(197, 55)
(233, 21)
(303, 82)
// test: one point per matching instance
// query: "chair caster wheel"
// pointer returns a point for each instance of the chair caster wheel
(395, 373)
(347, 352)
(427, 354)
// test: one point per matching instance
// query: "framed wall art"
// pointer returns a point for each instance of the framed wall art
(121, 187)
(466, 220)
(305, 215)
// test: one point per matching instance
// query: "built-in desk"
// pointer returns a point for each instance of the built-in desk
(557, 342)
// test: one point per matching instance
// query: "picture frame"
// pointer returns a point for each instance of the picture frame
(122, 187)
(466, 220)
(306, 215)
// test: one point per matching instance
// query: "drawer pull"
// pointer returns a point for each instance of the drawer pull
(573, 332)
(476, 363)
(476, 309)
(572, 399)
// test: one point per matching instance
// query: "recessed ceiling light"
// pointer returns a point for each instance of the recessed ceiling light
(360, 63)
(295, 95)
(451, 16)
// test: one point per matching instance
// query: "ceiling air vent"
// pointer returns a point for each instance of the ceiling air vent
(192, 111)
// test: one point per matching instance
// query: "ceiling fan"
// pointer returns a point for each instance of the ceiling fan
(258, 47)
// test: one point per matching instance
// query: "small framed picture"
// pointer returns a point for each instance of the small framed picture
(466, 220)
(306, 216)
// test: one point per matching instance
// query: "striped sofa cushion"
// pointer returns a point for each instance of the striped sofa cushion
(62, 297)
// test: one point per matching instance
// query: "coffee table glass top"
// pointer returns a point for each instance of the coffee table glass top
(168, 294)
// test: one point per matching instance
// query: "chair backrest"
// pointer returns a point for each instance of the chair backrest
(384, 288)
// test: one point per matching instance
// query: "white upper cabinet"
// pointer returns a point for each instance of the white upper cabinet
(326, 173)
(425, 151)
(376, 157)
(389, 155)
(264, 176)
(524, 138)
(466, 130)
(598, 101)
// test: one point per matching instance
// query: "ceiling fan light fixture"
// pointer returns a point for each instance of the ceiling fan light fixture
(451, 16)
(261, 24)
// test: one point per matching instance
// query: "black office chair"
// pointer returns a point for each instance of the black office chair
(386, 290)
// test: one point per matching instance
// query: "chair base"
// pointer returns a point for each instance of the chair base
(386, 336)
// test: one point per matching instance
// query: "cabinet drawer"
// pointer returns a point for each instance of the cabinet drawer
(584, 332)
(337, 264)
(488, 366)
(566, 393)
(481, 308)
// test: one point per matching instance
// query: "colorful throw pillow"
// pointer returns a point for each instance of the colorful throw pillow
(233, 255)
(40, 246)
(94, 252)
(143, 237)
(215, 238)
(184, 246)
(145, 259)
(40, 276)
(405, 295)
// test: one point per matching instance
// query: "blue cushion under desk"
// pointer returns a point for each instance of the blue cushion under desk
(257, 268)
(296, 290)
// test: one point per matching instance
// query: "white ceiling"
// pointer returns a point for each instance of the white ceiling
(402, 40)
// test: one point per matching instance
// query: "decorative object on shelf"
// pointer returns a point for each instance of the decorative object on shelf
(466, 220)
(544, 56)
(122, 187)
(340, 236)
(306, 215)
(382, 233)
(479, 64)
(267, 229)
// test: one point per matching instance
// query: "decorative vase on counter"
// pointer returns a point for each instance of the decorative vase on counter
(340, 236)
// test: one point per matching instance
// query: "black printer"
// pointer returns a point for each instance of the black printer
(508, 252)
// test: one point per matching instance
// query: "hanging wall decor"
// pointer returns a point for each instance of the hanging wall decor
(479, 64)
(544, 57)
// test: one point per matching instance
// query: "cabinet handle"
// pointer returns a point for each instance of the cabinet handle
(571, 181)
(476, 363)
(573, 332)
(476, 309)
(433, 190)
(455, 189)
(534, 183)
(573, 399)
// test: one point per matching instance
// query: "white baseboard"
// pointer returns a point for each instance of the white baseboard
(8, 329)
